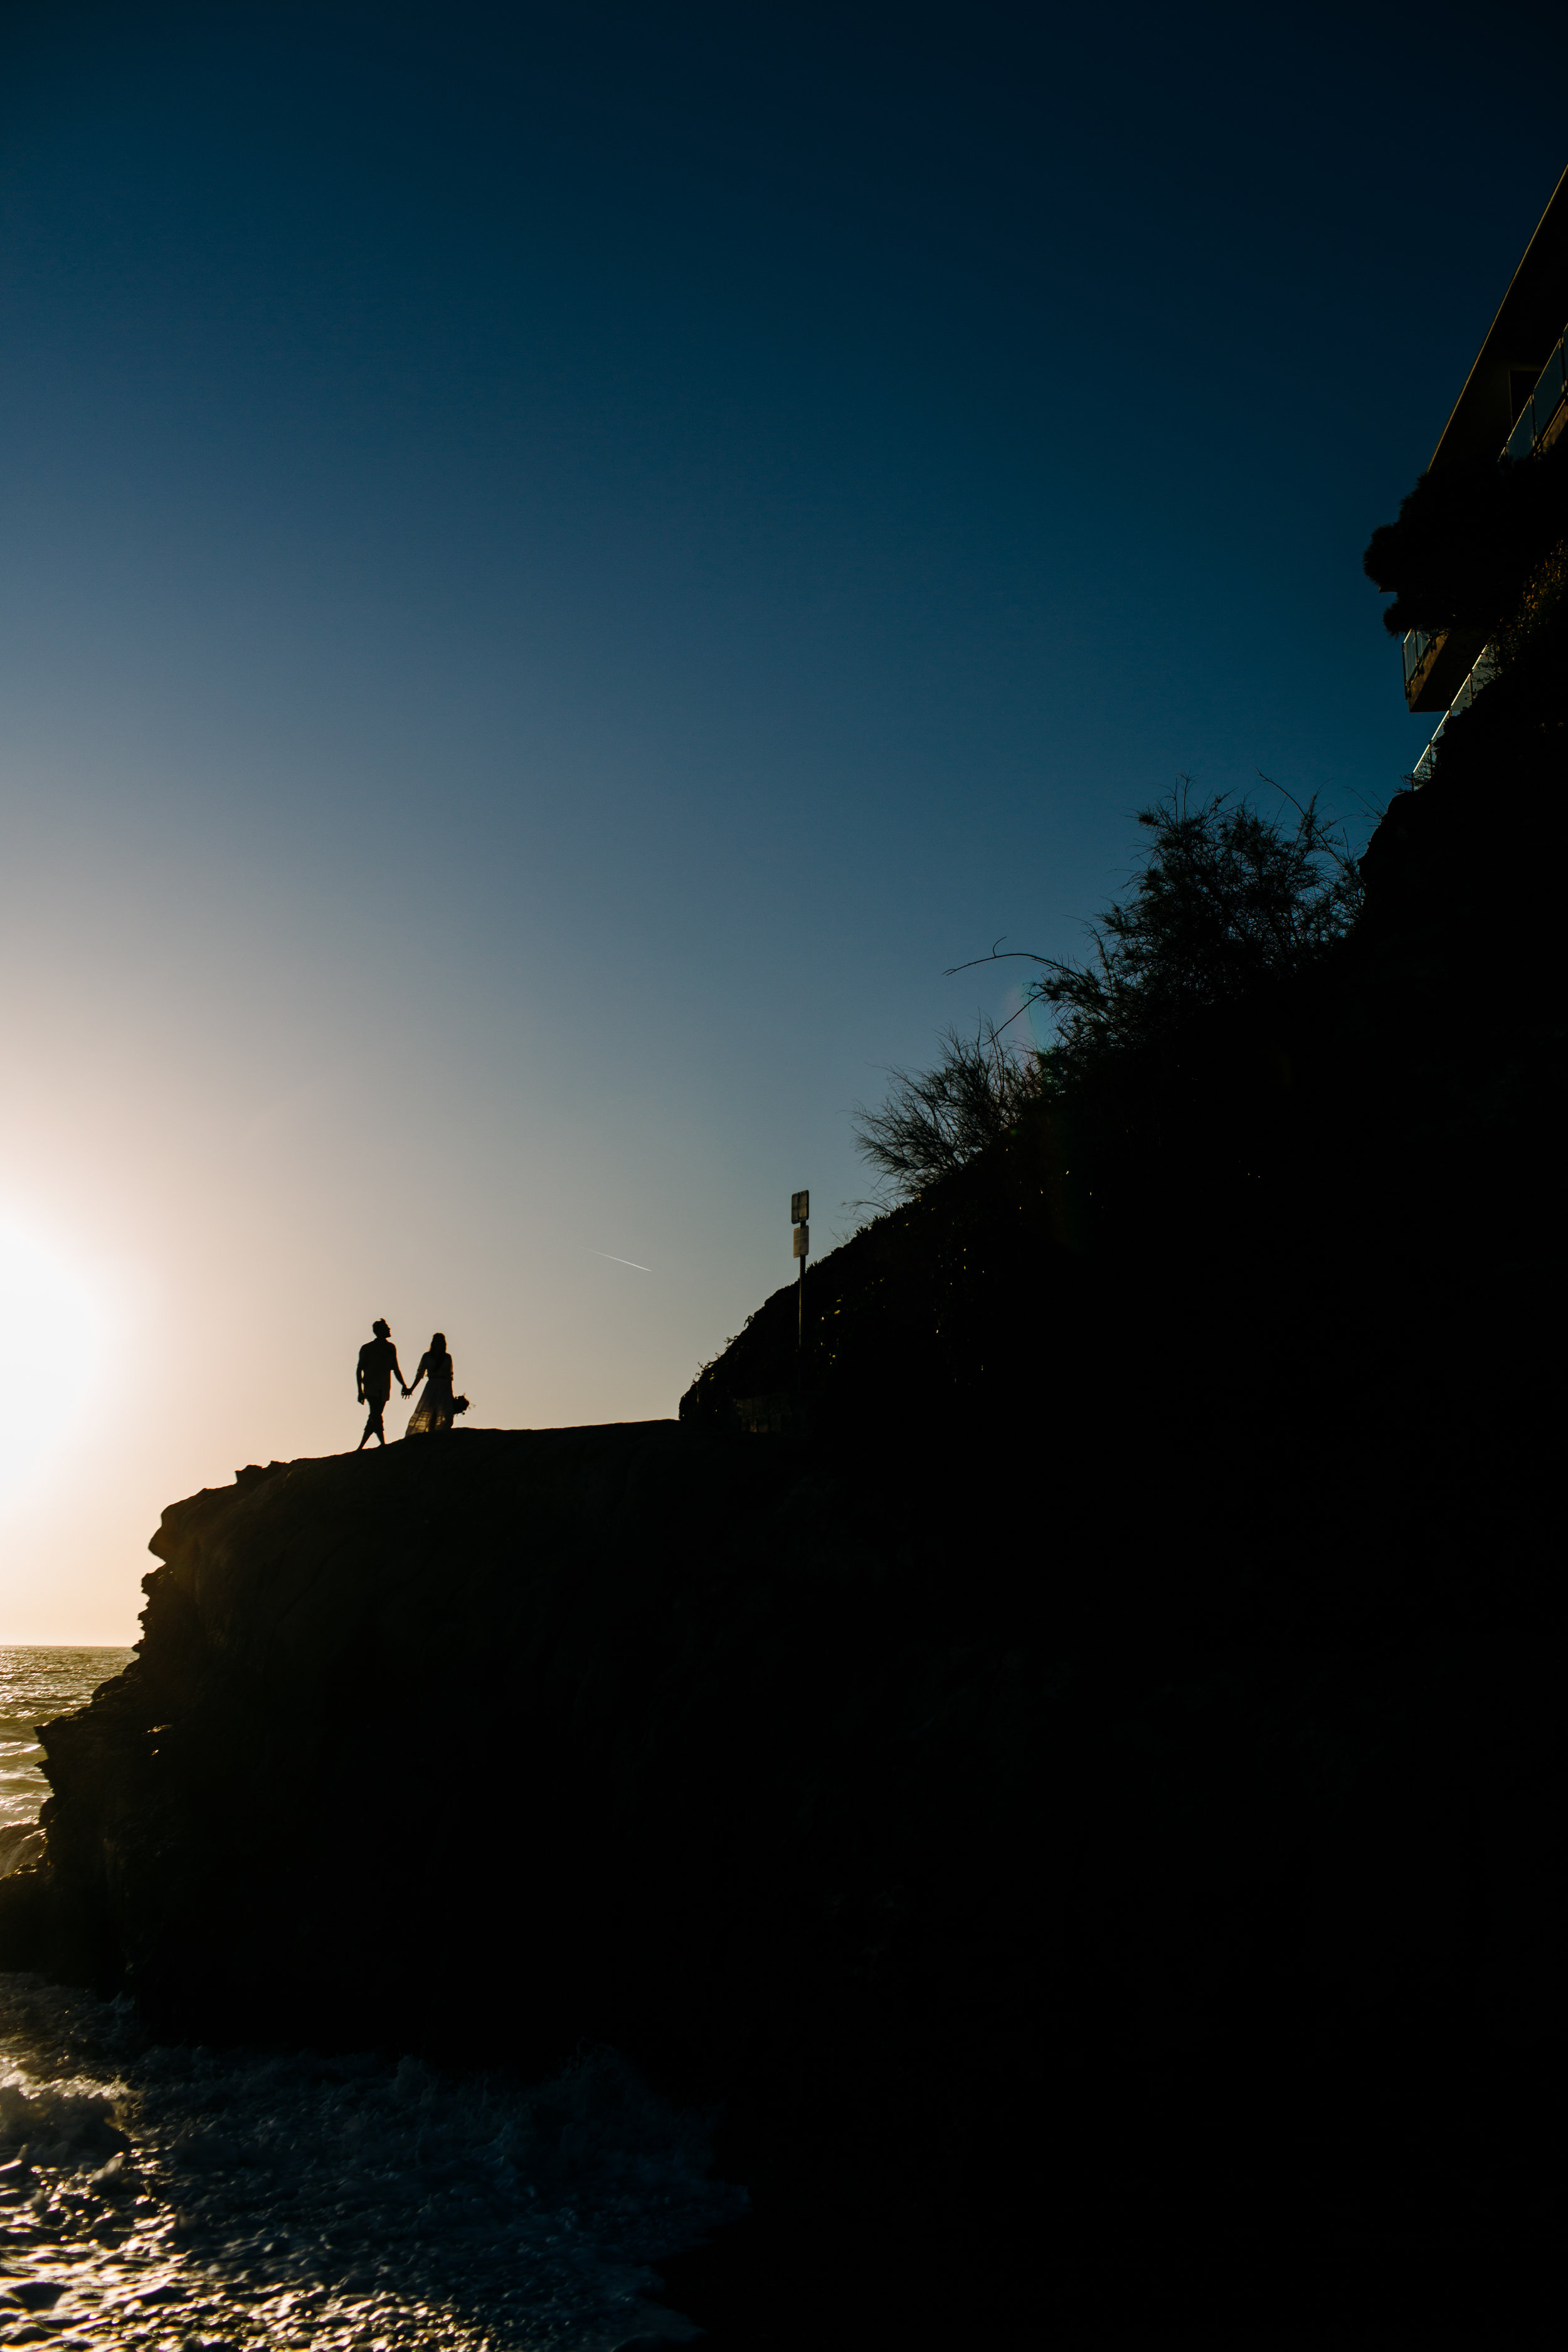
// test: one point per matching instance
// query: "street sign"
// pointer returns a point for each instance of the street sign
(802, 1240)
(799, 1208)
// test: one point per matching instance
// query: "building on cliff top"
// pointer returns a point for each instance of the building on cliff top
(1513, 401)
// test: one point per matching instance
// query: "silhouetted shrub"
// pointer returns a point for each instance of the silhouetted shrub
(1538, 618)
(1467, 538)
(936, 1119)
(1230, 904)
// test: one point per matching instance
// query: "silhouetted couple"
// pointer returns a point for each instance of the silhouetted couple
(378, 1365)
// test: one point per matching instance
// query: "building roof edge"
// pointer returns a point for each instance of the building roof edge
(1529, 319)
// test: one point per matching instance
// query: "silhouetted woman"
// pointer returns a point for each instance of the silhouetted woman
(432, 1416)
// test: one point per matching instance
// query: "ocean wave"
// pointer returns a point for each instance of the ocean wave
(331, 2200)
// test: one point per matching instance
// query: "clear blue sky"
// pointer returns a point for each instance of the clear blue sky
(560, 563)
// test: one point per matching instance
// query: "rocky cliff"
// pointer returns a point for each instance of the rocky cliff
(989, 1897)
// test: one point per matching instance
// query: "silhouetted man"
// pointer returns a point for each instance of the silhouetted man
(377, 1363)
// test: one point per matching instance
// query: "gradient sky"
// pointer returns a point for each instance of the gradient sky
(561, 563)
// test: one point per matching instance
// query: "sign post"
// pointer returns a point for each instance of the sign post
(799, 1215)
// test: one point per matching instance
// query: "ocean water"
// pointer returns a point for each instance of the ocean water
(182, 2197)
(34, 1686)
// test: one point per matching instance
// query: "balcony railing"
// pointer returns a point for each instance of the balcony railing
(1481, 674)
(1540, 407)
(1413, 645)
(1550, 390)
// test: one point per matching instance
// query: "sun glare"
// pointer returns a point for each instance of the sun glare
(50, 1335)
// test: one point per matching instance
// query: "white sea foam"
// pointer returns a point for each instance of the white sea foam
(182, 2197)
(185, 2196)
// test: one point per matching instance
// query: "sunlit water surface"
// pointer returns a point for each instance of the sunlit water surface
(194, 2198)
(34, 1685)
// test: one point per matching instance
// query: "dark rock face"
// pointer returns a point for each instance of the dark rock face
(991, 1897)
(433, 1669)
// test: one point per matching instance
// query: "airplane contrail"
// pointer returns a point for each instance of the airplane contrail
(621, 1261)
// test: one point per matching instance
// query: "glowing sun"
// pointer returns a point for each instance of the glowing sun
(49, 1343)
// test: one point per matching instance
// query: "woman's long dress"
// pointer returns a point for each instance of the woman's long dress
(431, 1415)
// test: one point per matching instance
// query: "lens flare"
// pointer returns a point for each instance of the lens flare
(50, 1341)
